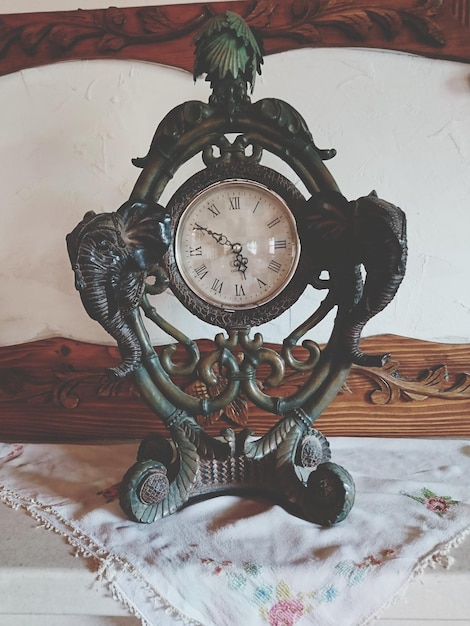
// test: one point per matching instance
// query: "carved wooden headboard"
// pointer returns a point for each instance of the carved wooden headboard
(164, 34)
(56, 389)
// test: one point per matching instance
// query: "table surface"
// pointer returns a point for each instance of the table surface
(43, 583)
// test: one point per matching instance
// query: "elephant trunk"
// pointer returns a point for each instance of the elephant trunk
(116, 325)
(382, 242)
(128, 345)
(111, 255)
(100, 292)
(367, 308)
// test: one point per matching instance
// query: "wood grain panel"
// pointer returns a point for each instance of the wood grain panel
(165, 34)
(57, 389)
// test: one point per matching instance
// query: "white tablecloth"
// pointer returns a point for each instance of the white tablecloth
(232, 561)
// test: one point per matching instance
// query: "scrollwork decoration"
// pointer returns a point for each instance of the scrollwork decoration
(356, 20)
(59, 387)
(165, 34)
(241, 149)
(433, 382)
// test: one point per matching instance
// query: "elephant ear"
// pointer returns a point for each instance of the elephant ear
(73, 241)
(326, 226)
(146, 230)
(382, 225)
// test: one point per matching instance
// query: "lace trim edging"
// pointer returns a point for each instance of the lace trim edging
(50, 518)
(437, 558)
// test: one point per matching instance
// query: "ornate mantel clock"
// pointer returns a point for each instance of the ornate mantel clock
(238, 243)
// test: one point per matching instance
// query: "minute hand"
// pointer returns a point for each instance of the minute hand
(240, 262)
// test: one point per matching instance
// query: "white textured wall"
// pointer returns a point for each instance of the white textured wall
(400, 124)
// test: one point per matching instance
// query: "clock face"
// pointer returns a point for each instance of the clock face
(236, 248)
(236, 244)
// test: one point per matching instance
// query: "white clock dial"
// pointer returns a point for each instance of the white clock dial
(236, 244)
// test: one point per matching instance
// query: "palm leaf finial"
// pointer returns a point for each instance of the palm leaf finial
(226, 47)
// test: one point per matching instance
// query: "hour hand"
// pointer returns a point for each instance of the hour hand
(240, 262)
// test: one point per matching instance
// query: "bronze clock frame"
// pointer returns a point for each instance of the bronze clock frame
(114, 254)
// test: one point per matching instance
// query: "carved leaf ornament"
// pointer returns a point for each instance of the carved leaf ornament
(106, 32)
(432, 382)
(59, 387)
(356, 20)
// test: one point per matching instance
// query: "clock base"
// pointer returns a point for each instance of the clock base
(296, 473)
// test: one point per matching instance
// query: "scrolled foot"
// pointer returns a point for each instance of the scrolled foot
(144, 485)
(331, 492)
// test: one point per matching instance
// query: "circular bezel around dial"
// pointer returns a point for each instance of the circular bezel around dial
(236, 252)
(251, 264)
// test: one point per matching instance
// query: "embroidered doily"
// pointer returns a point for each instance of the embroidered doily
(232, 561)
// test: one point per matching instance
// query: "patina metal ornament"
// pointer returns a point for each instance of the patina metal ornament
(112, 254)
(236, 277)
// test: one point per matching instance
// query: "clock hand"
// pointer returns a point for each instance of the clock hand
(219, 237)
(240, 262)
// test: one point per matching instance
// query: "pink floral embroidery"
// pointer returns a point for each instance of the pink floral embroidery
(286, 612)
(8, 452)
(280, 607)
(440, 505)
(110, 493)
(278, 604)
(375, 561)
(218, 567)
(356, 573)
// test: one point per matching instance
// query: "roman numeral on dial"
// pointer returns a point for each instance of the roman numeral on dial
(274, 222)
(274, 266)
(213, 209)
(217, 286)
(201, 271)
(234, 202)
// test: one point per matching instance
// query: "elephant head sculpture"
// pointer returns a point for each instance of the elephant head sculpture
(342, 236)
(111, 255)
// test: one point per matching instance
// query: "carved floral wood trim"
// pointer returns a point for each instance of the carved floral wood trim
(56, 389)
(164, 34)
